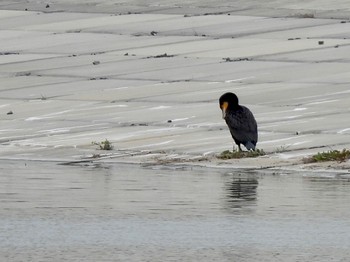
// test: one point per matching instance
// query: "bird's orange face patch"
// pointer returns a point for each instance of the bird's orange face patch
(224, 107)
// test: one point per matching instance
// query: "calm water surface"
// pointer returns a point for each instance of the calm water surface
(51, 212)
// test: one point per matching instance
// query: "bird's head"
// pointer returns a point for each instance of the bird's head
(228, 101)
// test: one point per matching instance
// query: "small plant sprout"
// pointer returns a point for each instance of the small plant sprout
(281, 149)
(104, 145)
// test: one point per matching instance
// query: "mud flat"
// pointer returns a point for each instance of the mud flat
(147, 77)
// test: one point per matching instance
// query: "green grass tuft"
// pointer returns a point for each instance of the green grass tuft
(332, 155)
(104, 145)
(227, 154)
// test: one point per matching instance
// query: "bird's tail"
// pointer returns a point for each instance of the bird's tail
(249, 145)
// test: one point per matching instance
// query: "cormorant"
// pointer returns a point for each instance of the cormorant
(240, 121)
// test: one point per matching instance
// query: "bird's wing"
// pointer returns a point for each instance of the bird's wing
(242, 125)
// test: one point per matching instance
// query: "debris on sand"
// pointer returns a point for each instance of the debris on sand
(160, 56)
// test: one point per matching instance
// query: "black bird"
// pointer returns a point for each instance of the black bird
(240, 121)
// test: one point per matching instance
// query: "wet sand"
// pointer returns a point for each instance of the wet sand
(147, 77)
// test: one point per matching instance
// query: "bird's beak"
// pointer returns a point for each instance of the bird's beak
(223, 108)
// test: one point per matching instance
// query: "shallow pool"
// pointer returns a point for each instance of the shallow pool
(51, 212)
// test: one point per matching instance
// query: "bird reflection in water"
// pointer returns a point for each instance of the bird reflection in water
(241, 191)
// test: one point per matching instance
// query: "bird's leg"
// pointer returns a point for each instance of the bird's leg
(239, 148)
(233, 148)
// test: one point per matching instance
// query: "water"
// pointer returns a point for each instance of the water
(51, 212)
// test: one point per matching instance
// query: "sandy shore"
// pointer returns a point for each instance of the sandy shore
(147, 77)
